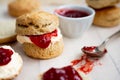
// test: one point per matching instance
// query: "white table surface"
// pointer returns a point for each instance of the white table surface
(109, 70)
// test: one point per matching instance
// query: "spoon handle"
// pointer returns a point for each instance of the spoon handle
(102, 46)
(116, 33)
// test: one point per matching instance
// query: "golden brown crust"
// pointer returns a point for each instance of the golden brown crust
(98, 4)
(36, 23)
(107, 17)
(52, 51)
(20, 7)
(8, 39)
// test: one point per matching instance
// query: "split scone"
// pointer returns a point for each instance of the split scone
(65, 73)
(17, 8)
(10, 63)
(7, 31)
(39, 34)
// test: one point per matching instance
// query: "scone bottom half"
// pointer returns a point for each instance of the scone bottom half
(42, 42)
(36, 52)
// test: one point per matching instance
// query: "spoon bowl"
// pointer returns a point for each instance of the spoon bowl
(93, 51)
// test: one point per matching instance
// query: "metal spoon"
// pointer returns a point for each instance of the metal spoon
(98, 51)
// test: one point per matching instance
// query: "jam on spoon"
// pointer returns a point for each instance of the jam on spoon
(65, 73)
(90, 51)
(5, 56)
(98, 51)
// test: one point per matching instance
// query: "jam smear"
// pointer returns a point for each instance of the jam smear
(86, 63)
(5, 56)
(44, 40)
(65, 73)
(72, 13)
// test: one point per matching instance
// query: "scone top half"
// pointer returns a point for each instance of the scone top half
(36, 23)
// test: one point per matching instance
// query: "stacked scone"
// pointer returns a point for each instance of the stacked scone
(107, 13)
(10, 63)
(39, 34)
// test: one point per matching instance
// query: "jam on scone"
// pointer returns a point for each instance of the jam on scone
(65, 73)
(10, 63)
(5, 56)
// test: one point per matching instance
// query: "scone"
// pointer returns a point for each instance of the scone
(65, 73)
(39, 34)
(98, 4)
(10, 63)
(107, 17)
(19, 7)
(7, 31)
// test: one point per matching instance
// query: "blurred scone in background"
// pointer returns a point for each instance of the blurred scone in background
(53, 2)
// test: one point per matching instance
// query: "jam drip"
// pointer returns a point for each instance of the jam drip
(44, 40)
(65, 73)
(5, 56)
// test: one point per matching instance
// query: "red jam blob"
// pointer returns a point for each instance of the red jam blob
(90, 49)
(5, 56)
(44, 40)
(72, 13)
(65, 73)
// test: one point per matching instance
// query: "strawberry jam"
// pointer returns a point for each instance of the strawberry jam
(5, 56)
(65, 73)
(90, 49)
(72, 13)
(44, 40)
